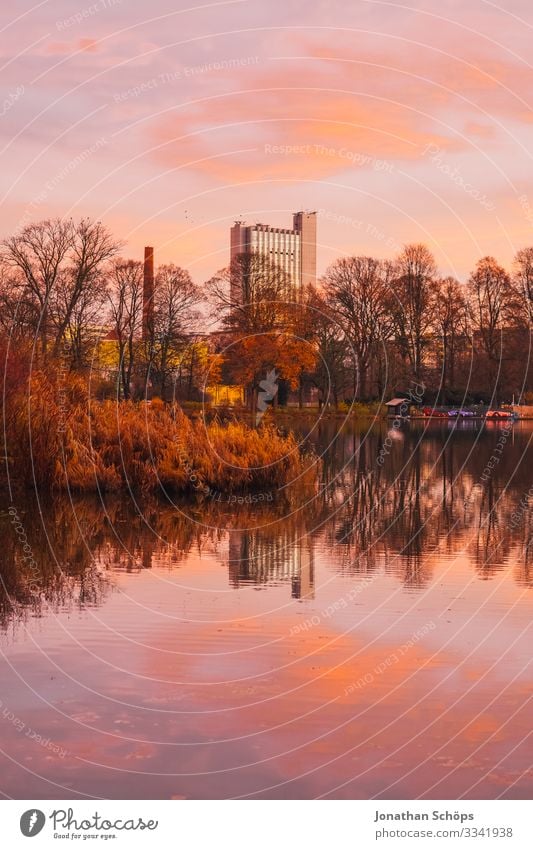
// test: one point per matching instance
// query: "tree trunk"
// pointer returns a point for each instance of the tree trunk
(362, 381)
(191, 371)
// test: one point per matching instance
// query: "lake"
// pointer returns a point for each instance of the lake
(369, 637)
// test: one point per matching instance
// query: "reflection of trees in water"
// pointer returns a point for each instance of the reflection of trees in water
(60, 573)
(77, 547)
(383, 511)
(430, 495)
(427, 498)
(523, 540)
(492, 538)
(524, 565)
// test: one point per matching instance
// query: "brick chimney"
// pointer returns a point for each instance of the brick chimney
(148, 293)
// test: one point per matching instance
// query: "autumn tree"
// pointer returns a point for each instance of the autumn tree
(358, 290)
(411, 303)
(256, 302)
(254, 357)
(492, 306)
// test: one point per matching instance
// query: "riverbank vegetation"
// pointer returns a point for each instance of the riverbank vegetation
(59, 438)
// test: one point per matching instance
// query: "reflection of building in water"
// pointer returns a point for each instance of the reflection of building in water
(254, 559)
(147, 551)
(303, 583)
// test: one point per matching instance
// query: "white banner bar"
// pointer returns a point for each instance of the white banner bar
(268, 824)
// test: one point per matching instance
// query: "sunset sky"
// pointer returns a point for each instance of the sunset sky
(397, 122)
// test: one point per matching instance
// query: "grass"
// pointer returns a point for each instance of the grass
(355, 410)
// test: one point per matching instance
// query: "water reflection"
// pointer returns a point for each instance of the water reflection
(257, 558)
(369, 639)
(430, 493)
(438, 488)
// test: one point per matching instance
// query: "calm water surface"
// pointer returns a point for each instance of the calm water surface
(371, 638)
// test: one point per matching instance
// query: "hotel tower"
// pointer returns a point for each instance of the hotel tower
(292, 250)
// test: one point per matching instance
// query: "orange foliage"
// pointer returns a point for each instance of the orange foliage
(252, 357)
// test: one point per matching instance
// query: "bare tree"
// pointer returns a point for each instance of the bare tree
(19, 317)
(251, 294)
(358, 290)
(39, 251)
(523, 279)
(199, 365)
(126, 302)
(175, 301)
(451, 326)
(411, 303)
(492, 305)
(83, 327)
(334, 365)
(91, 248)
(60, 267)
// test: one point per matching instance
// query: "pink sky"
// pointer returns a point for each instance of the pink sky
(398, 122)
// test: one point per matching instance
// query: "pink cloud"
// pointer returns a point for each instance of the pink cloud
(291, 132)
(383, 103)
(64, 48)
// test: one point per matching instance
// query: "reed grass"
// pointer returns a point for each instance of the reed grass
(58, 437)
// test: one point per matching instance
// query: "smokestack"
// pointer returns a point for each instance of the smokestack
(148, 293)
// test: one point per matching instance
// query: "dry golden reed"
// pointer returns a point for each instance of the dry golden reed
(58, 437)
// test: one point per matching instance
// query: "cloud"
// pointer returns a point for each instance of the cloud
(300, 116)
(306, 131)
(65, 48)
(465, 76)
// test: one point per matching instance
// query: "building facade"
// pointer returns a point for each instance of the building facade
(294, 250)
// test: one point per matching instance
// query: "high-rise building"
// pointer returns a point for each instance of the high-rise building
(294, 250)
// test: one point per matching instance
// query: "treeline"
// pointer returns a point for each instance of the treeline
(409, 325)
(69, 300)
(370, 328)
(374, 327)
